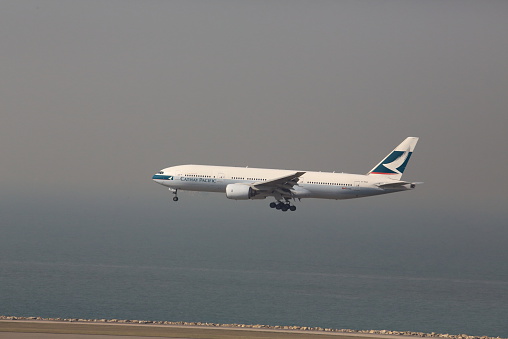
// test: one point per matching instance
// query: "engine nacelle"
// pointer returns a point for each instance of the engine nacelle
(239, 192)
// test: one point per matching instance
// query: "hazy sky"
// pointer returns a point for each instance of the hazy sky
(96, 96)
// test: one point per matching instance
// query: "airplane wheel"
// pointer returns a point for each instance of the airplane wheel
(284, 208)
(175, 198)
(278, 206)
(273, 205)
(292, 208)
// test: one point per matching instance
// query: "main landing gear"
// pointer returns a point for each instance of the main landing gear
(282, 206)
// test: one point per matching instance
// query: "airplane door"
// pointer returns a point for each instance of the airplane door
(220, 177)
(356, 186)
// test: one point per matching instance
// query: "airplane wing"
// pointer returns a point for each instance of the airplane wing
(285, 181)
(279, 187)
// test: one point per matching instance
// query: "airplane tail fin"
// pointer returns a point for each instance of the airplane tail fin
(394, 164)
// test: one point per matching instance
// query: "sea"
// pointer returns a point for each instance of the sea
(348, 298)
(195, 269)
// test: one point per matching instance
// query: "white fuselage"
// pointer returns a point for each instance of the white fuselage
(322, 185)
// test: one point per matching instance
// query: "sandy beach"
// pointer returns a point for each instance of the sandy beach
(31, 329)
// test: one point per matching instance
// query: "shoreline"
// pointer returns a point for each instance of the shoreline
(297, 330)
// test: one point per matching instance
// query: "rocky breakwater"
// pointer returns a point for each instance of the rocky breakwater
(267, 327)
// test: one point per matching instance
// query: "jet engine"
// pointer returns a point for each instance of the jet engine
(239, 192)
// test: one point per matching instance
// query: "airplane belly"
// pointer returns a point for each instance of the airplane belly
(327, 192)
(301, 192)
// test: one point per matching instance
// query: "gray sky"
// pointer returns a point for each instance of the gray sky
(96, 96)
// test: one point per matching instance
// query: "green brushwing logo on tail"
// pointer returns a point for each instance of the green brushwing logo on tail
(395, 163)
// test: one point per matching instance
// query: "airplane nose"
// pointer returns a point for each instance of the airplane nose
(157, 178)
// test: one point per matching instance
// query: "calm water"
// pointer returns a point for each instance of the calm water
(346, 299)
(415, 271)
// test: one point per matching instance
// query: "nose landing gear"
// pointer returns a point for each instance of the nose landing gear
(175, 192)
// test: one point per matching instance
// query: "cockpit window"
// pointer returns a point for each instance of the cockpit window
(161, 172)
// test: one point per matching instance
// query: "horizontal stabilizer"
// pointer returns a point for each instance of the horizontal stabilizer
(397, 184)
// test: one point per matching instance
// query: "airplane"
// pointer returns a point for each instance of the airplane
(285, 186)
